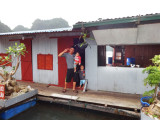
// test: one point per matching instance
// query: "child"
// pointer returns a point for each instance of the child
(77, 60)
(82, 76)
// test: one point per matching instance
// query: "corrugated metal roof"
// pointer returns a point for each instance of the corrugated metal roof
(101, 21)
(37, 31)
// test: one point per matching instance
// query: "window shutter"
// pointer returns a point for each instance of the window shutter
(101, 55)
(41, 61)
(45, 62)
(49, 62)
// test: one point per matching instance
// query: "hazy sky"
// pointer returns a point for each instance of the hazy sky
(24, 12)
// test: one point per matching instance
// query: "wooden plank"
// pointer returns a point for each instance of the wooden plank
(27, 71)
(49, 62)
(91, 106)
(117, 100)
(64, 96)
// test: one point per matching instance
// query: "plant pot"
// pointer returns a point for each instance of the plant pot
(145, 101)
(82, 45)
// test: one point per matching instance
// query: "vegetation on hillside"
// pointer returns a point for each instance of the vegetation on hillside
(38, 24)
(4, 28)
(49, 24)
(20, 28)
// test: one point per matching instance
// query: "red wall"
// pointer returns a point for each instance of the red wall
(142, 53)
(26, 61)
(63, 43)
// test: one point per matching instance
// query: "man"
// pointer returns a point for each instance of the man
(70, 68)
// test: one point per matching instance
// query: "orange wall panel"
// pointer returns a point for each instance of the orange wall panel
(45, 61)
(49, 62)
(41, 61)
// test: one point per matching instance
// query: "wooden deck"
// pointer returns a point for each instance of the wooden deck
(117, 103)
(128, 101)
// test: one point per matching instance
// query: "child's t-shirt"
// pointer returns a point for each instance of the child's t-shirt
(77, 59)
(81, 74)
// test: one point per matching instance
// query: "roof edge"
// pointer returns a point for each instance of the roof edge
(118, 20)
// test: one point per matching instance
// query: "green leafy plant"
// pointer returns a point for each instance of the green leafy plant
(7, 76)
(153, 78)
(84, 36)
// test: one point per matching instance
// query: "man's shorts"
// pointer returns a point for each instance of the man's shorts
(70, 75)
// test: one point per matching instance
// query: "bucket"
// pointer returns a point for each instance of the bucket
(130, 61)
(143, 101)
(109, 60)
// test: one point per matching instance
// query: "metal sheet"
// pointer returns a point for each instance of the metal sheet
(43, 45)
(149, 34)
(91, 65)
(116, 36)
(37, 31)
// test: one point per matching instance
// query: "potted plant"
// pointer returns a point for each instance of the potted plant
(84, 44)
(14, 53)
(153, 80)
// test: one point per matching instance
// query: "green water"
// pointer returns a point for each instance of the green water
(50, 111)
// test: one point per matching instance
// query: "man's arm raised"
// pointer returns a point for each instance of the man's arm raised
(60, 54)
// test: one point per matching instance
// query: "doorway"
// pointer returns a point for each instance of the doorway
(26, 61)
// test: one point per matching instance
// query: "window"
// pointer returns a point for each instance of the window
(45, 61)
(3, 55)
(118, 55)
(125, 55)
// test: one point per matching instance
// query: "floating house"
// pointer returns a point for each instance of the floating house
(117, 44)
(41, 63)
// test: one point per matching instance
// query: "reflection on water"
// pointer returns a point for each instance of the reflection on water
(48, 111)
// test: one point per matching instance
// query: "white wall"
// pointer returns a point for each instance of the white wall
(148, 33)
(5, 43)
(121, 79)
(115, 36)
(41, 44)
(143, 34)
(91, 65)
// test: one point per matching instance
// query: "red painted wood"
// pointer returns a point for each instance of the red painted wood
(63, 43)
(3, 55)
(28, 55)
(41, 61)
(26, 61)
(27, 71)
(45, 61)
(49, 62)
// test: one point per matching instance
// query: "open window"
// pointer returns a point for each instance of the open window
(127, 55)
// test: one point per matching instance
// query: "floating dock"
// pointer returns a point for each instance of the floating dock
(116, 103)
(12, 106)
